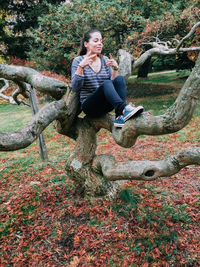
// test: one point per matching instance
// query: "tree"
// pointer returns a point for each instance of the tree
(167, 31)
(100, 175)
(58, 35)
(22, 15)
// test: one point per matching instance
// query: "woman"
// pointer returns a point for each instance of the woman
(96, 78)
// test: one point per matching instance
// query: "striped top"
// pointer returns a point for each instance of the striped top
(91, 80)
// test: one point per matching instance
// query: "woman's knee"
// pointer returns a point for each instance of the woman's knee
(119, 80)
(107, 82)
(106, 85)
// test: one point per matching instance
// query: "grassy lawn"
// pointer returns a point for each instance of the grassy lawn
(13, 117)
(161, 77)
(43, 222)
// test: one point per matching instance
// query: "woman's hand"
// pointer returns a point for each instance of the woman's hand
(88, 59)
(112, 62)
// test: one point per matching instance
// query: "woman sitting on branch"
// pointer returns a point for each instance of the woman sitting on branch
(96, 78)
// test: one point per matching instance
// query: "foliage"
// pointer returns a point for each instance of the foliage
(4, 33)
(174, 26)
(164, 62)
(60, 31)
(21, 16)
(43, 221)
(54, 37)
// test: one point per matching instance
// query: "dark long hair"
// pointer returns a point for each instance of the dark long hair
(86, 38)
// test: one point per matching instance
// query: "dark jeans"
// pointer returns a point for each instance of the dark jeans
(110, 95)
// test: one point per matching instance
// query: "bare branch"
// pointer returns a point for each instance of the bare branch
(14, 98)
(146, 170)
(40, 82)
(18, 100)
(161, 48)
(174, 119)
(22, 90)
(8, 98)
(192, 31)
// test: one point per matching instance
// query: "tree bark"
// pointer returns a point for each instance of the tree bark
(144, 69)
(47, 85)
(146, 170)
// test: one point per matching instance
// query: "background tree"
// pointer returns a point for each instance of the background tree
(4, 33)
(167, 31)
(21, 16)
(93, 174)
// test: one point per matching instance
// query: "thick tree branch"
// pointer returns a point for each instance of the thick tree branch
(26, 136)
(47, 85)
(146, 170)
(174, 119)
(65, 122)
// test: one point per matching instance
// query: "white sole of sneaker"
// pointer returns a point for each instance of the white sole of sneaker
(135, 111)
(118, 125)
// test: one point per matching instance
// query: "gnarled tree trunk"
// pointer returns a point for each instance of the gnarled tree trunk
(100, 175)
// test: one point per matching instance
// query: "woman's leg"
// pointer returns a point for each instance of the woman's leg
(120, 86)
(104, 99)
(130, 110)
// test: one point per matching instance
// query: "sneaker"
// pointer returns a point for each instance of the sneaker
(131, 110)
(119, 121)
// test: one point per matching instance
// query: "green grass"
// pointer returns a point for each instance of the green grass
(13, 117)
(165, 77)
(156, 105)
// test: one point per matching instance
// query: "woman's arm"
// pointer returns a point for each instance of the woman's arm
(77, 76)
(114, 73)
(113, 63)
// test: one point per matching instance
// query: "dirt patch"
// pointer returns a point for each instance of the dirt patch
(70, 225)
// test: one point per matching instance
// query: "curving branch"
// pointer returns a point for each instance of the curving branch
(47, 85)
(174, 119)
(106, 175)
(22, 90)
(191, 32)
(161, 48)
(8, 98)
(146, 170)
(27, 135)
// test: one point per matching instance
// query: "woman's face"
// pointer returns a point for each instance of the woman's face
(94, 45)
